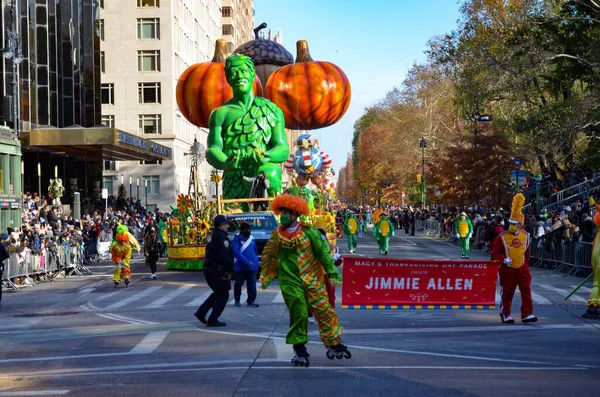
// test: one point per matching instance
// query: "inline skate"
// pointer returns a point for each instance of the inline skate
(338, 351)
(300, 356)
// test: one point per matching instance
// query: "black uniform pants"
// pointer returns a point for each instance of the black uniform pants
(218, 299)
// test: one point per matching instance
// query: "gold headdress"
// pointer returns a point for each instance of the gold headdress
(517, 206)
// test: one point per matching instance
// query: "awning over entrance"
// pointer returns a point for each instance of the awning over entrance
(97, 142)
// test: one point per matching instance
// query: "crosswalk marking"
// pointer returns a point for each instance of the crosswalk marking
(243, 297)
(132, 298)
(563, 292)
(173, 294)
(537, 298)
(198, 301)
(581, 289)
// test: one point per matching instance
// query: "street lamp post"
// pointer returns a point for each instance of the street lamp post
(130, 182)
(423, 145)
(146, 189)
(137, 181)
(538, 180)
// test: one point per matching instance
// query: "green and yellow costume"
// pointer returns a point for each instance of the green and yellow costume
(382, 232)
(350, 229)
(300, 258)
(464, 230)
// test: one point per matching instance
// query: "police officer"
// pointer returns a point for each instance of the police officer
(217, 266)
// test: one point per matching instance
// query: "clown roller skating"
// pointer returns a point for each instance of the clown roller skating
(338, 351)
(300, 356)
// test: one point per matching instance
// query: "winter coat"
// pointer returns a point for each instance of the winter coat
(247, 259)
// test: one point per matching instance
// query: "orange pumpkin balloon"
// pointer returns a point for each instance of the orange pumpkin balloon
(203, 87)
(311, 94)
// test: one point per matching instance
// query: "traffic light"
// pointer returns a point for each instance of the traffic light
(418, 178)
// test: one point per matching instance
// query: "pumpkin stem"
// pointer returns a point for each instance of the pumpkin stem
(259, 28)
(302, 52)
(220, 51)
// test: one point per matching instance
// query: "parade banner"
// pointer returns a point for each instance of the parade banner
(385, 283)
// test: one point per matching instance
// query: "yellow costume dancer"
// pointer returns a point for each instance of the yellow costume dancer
(121, 250)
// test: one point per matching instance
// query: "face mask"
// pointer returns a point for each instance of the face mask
(245, 234)
(513, 229)
(285, 220)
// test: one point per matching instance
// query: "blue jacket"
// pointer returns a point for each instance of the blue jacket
(247, 260)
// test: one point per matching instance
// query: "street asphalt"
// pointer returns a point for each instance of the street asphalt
(81, 336)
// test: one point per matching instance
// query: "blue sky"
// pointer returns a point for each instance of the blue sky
(375, 42)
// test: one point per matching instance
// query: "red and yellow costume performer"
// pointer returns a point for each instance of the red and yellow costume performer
(299, 256)
(512, 248)
(593, 304)
(121, 249)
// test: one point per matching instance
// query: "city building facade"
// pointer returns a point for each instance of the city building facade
(145, 46)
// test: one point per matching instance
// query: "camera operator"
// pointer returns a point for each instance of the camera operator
(217, 266)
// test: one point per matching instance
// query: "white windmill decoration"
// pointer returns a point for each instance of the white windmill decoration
(197, 155)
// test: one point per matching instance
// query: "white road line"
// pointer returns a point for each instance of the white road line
(35, 393)
(199, 300)
(498, 298)
(278, 298)
(107, 295)
(96, 284)
(491, 328)
(135, 297)
(582, 289)
(408, 241)
(564, 293)
(282, 349)
(149, 343)
(23, 323)
(173, 294)
(539, 299)
(108, 316)
(86, 291)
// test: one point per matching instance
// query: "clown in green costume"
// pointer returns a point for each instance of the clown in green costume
(464, 231)
(246, 134)
(350, 229)
(299, 256)
(382, 232)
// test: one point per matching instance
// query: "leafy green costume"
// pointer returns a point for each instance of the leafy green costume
(350, 229)
(382, 232)
(299, 259)
(464, 230)
(246, 134)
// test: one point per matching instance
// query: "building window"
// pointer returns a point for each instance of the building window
(153, 183)
(108, 120)
(102, 64)
(227, 30)
(149, 124)
(148, 28)
(108, 94)
(107, 183)
(149, 61)
(102, 4)
(151, 162)
(148, 3)
(108, 165)
(101, 27)
(149, 92)
(226, 12)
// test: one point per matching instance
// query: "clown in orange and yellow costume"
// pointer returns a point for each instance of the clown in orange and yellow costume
(299, 256)
(121, 250)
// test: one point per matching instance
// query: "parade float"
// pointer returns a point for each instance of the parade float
(249, 139)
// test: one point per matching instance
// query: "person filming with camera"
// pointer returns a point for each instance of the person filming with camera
(217, 268)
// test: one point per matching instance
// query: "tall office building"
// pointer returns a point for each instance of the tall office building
(145, 46)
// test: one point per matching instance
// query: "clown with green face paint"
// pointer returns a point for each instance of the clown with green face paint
(464, 231)
(382, 232)
(299, 256)
(350, 229)
(246, 134)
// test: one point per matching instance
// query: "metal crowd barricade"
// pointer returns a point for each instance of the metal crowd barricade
(27, 266)
(572, 258)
